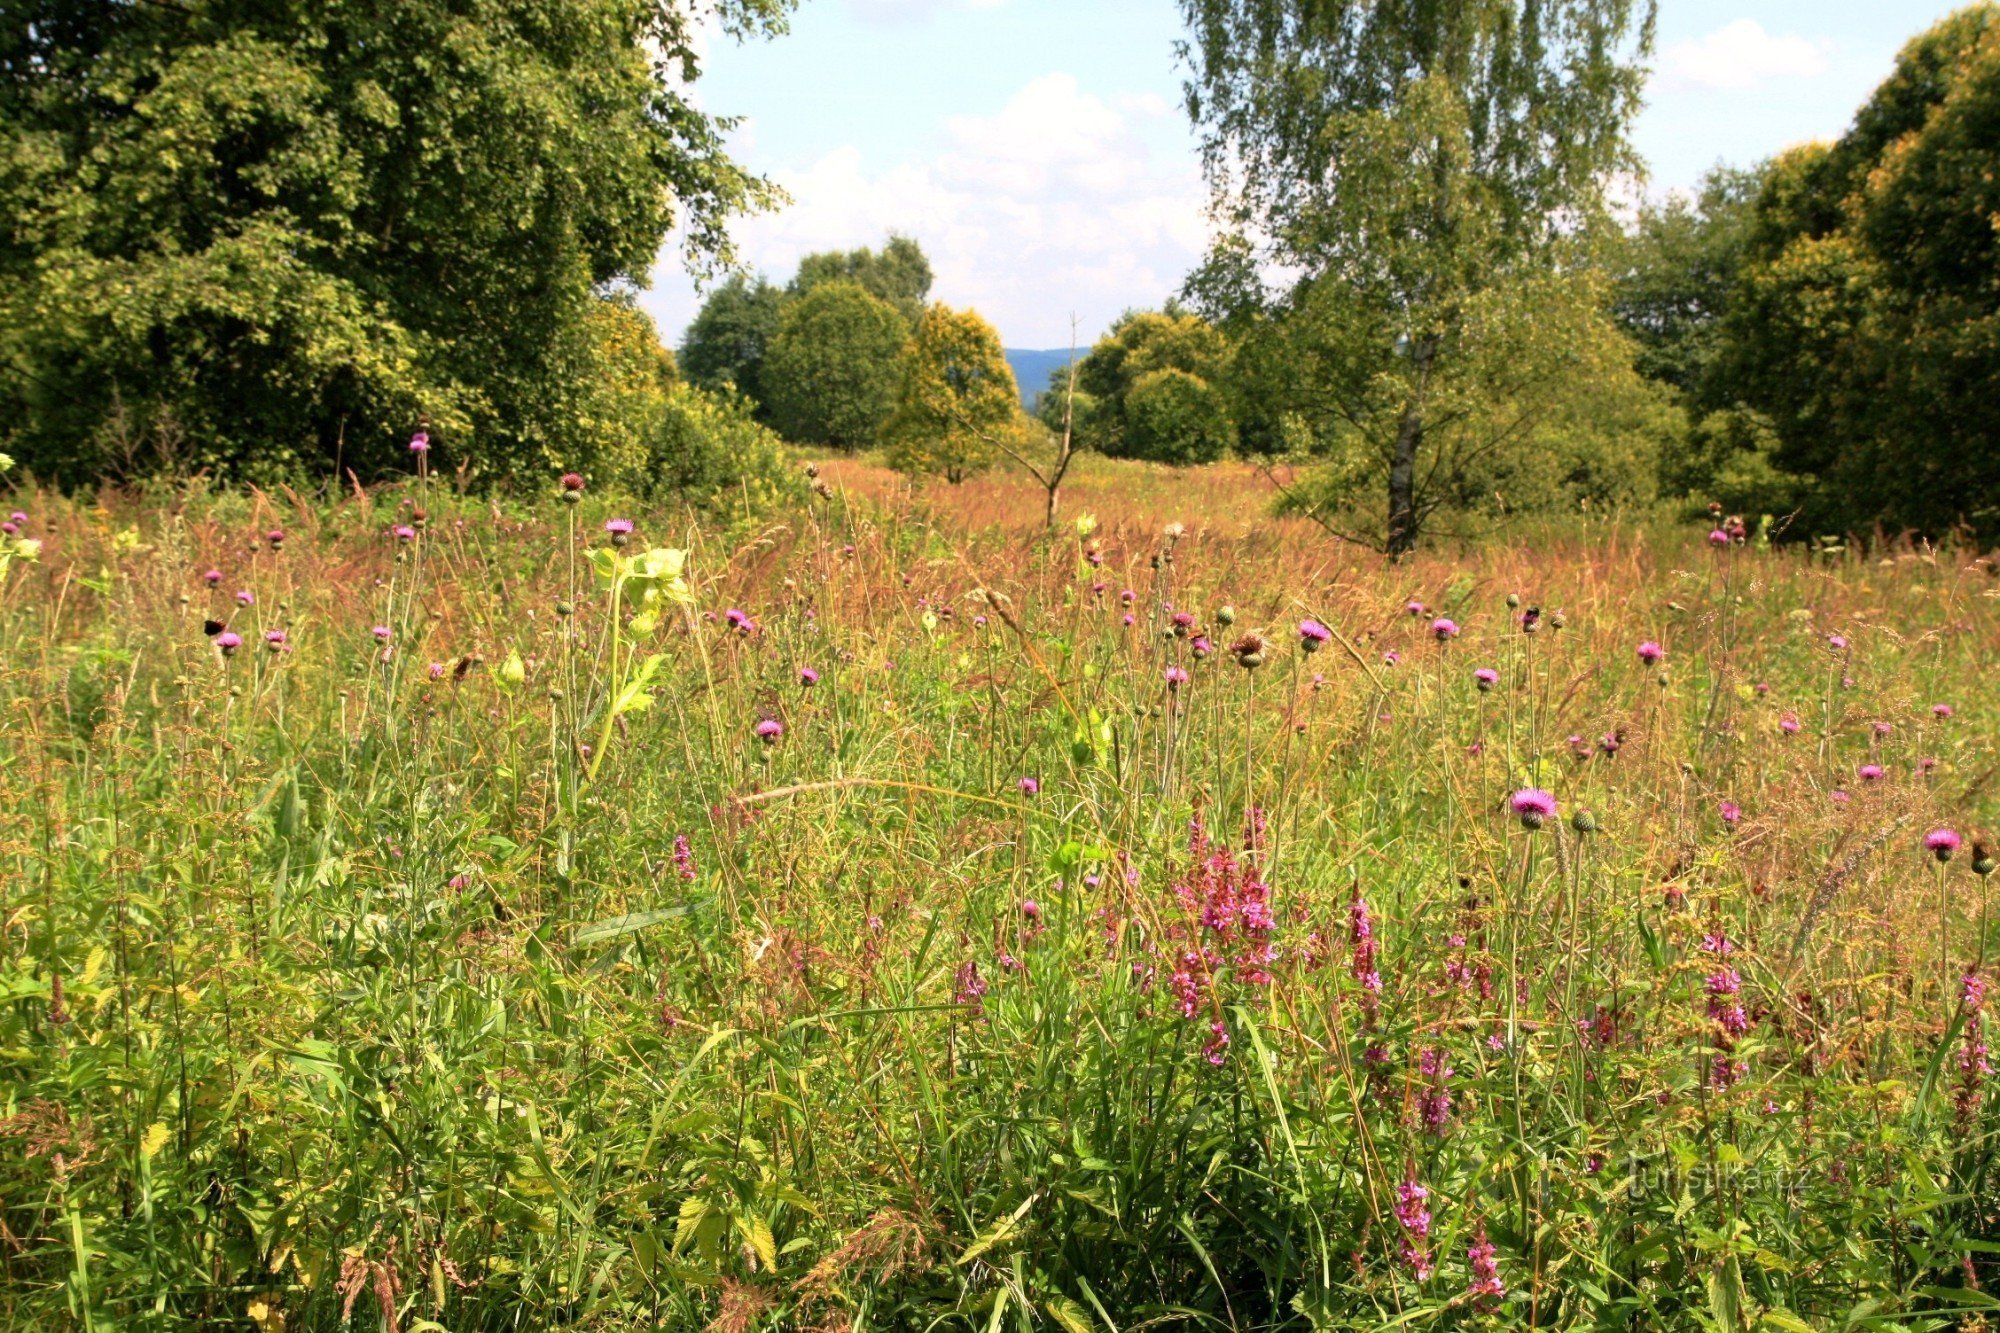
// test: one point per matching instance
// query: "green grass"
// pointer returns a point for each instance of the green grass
(335, 994)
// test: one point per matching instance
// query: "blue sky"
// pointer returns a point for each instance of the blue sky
(1037, 150)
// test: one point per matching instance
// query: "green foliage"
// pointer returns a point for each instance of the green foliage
(899, 273)
(725, 343)
(1864, 333)
(957, 403)
(709, 451)
(832, 369)
(1177, 418)
(267, 239)
(537, 991)
(1182, 418)
(1532, 406)
(1401, 160)
(1675, 271)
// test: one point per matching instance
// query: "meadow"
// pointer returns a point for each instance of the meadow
(421, 911)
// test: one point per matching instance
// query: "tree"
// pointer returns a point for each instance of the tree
(831, 373)
(266, 237)
(900, 274)
(1151, 343)
(957, 398)
(1177, 418)
(725, 343)
(1402, 160)
(1537, 410)
(1858, 357)
(1675, 270)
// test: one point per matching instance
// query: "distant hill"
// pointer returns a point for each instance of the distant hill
(1031, 369)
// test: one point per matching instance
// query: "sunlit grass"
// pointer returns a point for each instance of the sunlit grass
(370, 977)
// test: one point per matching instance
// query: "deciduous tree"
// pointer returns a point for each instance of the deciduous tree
(270, 236)
(831, 372)
(1402, 159)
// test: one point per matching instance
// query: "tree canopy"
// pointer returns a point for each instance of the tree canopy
(899, 273)
(1400, 161)
(957, 402)
(269, 237)
(1857, 362)
(725, 343)
(831, 373)
(1181, 417)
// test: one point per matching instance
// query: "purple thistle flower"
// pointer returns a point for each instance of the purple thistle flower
(1485, 678)
(228, 641)
(808, 677)
(1650, 653)
(404, 532)
(769, 729)
(274, 639)
(381, 633)
(276, 536)
(1313, 635)
(1942, 843)
(1789, 723)
(1837, 642)
(212, 577)
(1390, 657)
(420, 443)
(619, 530)
(1444, 628)
(1941, 710)
(1732, 813)
(1413, 607)
(436, 670)
(1870, 772)
(1534, 806)
(1030, 786)
(1718, 537)
(245, 597)
(1176, 677)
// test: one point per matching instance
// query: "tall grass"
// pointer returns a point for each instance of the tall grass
(497, 973)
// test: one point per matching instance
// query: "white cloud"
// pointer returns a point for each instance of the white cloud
(1742, 55)
(911, 11)
(1050, 206)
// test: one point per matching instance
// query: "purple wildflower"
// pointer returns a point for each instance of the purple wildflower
(1650, 653)
(1313, 635)
(1942, 843)
(1485, 678)
(1534, 806)
(769, 729)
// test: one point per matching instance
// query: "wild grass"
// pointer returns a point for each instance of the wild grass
(498, 974)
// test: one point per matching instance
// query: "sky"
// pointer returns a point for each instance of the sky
(1038, 151)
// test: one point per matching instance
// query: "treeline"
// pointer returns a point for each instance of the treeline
(268, 242)
(852, 353)
(1830, 320)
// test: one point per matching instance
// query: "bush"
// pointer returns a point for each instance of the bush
(831, 372)
(706, 449)
(1177, 418)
